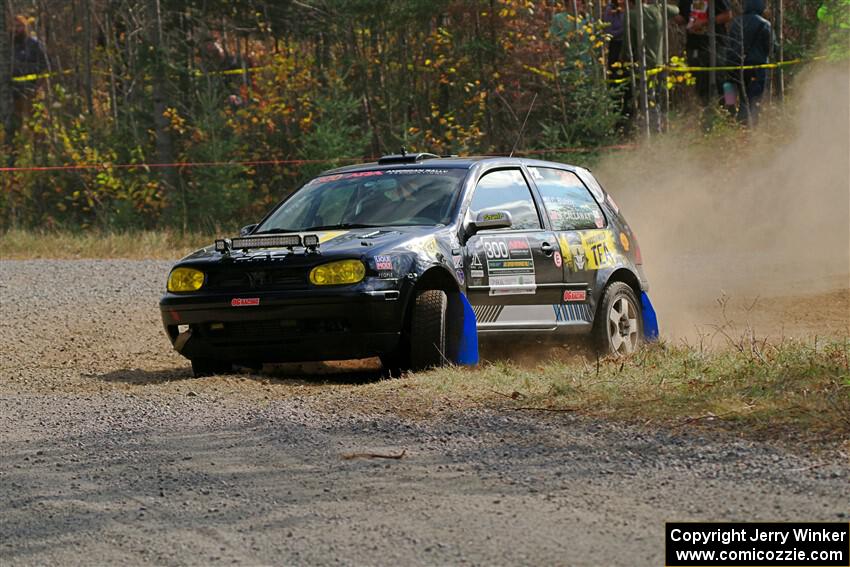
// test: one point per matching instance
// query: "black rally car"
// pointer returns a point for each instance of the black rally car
(410, 259)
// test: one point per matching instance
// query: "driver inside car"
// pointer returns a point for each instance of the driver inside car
(382, 203)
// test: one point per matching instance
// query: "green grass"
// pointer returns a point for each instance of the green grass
(797, 388)
(161, 244)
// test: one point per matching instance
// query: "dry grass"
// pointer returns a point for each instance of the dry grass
(162, 244)
(793, 388)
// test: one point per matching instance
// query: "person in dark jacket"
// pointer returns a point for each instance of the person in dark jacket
(750, 42)
(29, 62)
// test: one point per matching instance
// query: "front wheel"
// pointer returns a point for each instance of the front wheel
(428, 329)
(618, 327)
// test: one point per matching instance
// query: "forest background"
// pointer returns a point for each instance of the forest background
(302, 86)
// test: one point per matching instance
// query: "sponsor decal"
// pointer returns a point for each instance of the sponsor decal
(579, 260)
(575, 295)
(383, 263)
(330, 235)
(244, 301)
(354, 175)
(460, 277)
(599, 249)
(476, 262)
(513, 285)
(476, 273)
(571, 216)
(557, 259)
(422, 171)
(624, 240)
(591, 183)
(493, 216)
(458, 261)
(510, 266)
(598, 218)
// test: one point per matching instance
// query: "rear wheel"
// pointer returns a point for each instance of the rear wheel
(428, 329)
(618, 326)
(209, 366)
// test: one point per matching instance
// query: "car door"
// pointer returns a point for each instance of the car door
(586, 245)
(513, 274)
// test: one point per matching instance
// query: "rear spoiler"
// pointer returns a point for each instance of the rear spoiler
(290, 241)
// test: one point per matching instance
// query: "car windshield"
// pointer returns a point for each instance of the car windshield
(392, 197)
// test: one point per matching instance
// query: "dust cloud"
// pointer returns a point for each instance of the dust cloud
(762, 226)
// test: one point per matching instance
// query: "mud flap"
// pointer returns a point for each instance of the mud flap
(462, 331)
(650, 320)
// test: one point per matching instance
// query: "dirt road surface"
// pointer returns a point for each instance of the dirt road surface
(113, 453)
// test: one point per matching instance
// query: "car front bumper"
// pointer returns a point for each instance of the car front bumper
(285, 326)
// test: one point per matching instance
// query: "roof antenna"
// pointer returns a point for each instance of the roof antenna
(521, 130)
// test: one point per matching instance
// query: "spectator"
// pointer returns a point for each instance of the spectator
(29, 62)
(216, 61)
(613, 16)
(653, 37)
(750, 43)
(693, 14)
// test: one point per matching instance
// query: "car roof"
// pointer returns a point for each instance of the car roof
(449, 162)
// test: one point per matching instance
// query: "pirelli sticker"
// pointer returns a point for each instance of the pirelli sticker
(510, 265)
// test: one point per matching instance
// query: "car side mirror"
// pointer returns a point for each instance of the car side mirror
(489, 220)
(247, 229)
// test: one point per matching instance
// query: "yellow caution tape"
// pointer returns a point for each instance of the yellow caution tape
(37, 76)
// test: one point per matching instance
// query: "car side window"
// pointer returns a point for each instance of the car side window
(506, 190)
(568, 203)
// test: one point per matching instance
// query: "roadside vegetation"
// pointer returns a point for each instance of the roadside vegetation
(134, 245)
(797, 389)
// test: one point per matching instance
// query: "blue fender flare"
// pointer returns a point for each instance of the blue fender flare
(466, 350)
(650, 319)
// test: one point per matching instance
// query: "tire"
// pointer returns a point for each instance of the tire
(618, 326)
(208, 366)
(428, 330)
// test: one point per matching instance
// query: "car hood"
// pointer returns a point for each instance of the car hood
(333, 244)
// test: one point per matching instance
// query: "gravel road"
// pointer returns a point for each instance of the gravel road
(112, 453)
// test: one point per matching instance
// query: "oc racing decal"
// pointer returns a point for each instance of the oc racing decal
(244, 301)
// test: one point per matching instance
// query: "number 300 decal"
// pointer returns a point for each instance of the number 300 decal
(495, 249)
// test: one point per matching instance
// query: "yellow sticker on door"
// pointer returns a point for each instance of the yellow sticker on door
(599, 249)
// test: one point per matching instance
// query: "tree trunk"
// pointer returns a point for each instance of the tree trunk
(712, 53)
(5, 73)
(665, 60)
(641, 45)
(87, 49)
(168, 177)
(780, 85)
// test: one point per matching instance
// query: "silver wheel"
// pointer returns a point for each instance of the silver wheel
(622, 325)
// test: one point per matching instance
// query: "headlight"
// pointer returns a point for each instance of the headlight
(337, 273)
(185, 279)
